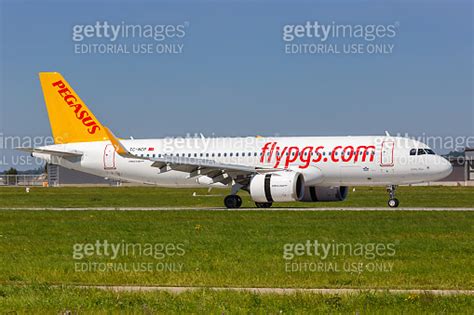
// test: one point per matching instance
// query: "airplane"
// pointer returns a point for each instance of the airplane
(270, 169)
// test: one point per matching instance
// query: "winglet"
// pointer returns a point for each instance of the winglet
(119, 148)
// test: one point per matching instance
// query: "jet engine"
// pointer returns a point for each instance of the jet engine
(319, 193)
(277, 186)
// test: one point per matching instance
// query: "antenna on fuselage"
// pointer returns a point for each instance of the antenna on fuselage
(387, 134)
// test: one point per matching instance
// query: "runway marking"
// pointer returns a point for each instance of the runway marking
(177, 290)
(241, 209)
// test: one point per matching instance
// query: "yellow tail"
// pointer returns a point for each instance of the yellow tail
(70, 119)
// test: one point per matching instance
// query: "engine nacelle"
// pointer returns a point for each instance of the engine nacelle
(319, 193)
(278, 186)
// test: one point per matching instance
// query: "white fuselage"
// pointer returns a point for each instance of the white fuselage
(323, 161)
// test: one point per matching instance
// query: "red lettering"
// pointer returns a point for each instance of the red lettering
(59, 84)
(333, 154)
(83, 114)
(319, 156)
(67, 99)
(64, 91)
(292, 155)
(264, 149)
(364, 150)
(93, 129)
(88, 121)
(279, 156)
(345, 156)
(271, 152)
(305, 156)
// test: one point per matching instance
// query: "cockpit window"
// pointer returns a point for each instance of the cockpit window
(421, 151)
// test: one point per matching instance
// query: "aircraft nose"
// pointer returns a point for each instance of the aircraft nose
(444, 167)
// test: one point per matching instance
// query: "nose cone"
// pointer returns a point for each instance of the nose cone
(442, 168)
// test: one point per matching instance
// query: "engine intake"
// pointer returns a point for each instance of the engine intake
(318, 193)
(278, 186)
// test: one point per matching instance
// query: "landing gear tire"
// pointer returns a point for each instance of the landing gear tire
(263, 204)
(233, 201)
(393, 203)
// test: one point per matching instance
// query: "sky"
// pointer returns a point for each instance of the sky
(233, 77)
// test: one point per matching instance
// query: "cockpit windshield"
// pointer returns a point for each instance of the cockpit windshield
(421, 151)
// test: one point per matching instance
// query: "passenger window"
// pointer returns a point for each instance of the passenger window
(421, 152)
(225, 154)
(413, 152)
(218, 155)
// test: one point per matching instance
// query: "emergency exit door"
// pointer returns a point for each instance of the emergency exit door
(386, 155)
(109, 157)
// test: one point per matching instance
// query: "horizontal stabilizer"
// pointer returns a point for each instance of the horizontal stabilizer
(52, 152)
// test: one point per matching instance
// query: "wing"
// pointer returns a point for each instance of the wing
(52, 152)
(219, 172)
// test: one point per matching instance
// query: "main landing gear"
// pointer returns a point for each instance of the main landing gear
(233, 201)
(392, 202)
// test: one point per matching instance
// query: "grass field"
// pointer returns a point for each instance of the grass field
(44, 299)
(434, 196)
(432, 250)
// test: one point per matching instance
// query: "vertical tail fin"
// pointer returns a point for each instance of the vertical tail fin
(70, 119)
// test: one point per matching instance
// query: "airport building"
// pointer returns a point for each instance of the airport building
(463, 168)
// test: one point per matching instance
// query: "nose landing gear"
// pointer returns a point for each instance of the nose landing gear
(392, 202)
